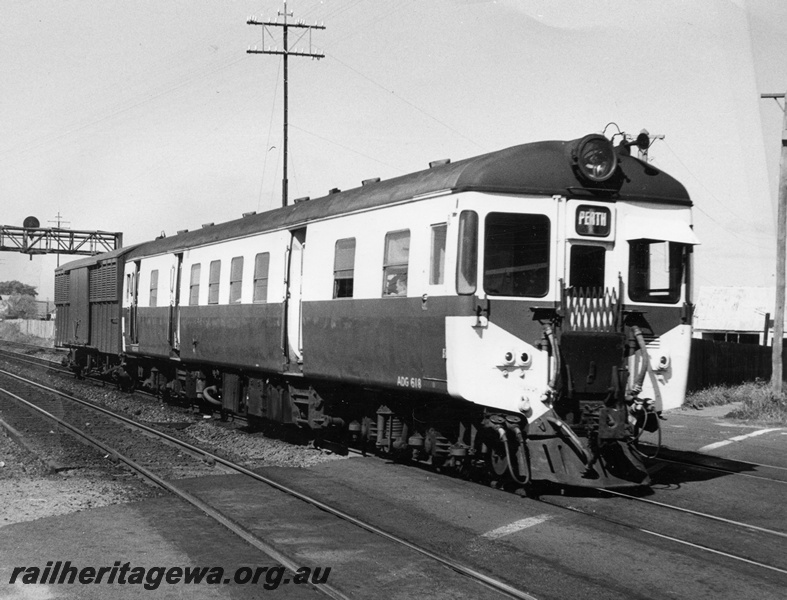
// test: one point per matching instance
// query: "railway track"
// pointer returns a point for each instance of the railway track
(24, 353)
(110, 440)
(606, 515)
(656, 455)
(706, 515)
(694, 536)
(734, 468)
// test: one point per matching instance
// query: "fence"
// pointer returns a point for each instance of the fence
(726, 363)
(41, 329)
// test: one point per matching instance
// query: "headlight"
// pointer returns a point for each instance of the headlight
(595, 158)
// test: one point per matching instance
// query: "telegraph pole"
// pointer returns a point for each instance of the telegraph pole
(781, 262)
(285, 52)
(59, 220)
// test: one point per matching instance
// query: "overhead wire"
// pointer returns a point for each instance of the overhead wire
(335, 143)
(398, 6)
(268, 141)
(712, 195)
(231, 61)
(118, 111)
(338, 10)
(356, 31)
(698, 180)
(404, 100)
(168, 63)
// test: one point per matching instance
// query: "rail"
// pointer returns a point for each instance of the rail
(468, 572)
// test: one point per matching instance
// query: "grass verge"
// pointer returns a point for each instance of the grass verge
(757, 401)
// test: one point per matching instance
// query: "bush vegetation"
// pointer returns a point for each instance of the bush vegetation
(757, 401)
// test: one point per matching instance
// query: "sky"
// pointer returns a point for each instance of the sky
(149, 116)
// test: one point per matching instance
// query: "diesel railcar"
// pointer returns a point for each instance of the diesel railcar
(521, 315)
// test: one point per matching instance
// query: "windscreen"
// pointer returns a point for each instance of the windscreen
(516, 255)
(656, 270)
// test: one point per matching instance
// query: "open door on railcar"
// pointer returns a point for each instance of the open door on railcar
(174, 305)
(293, 321)
(132, 290)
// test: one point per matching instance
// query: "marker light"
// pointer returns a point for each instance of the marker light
(595, 158)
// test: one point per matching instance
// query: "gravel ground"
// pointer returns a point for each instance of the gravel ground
(230, 439)
(28, 491)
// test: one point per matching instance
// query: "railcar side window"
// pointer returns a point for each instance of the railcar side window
(236, 279)
(194, 285)
(437, 259)
(656, 270)
(213, 281)
(261, 263)
(154, 287)
(467, 255)
(344, 268)
(586, 267)
(516, 255)
(397, 254)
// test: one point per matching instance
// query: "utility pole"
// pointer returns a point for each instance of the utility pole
(285, 52)
(59, 220)
(781, 262)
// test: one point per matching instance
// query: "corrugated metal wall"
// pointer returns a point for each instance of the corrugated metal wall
(105, 328)
(62, 295)
(78, 325)
(104, 308)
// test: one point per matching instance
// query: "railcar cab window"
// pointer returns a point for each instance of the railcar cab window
(467, 253)
(516, 255)
(437, 258)
(656, 270)
(153, 288)
(213, 281)
(586, 267)
(397, 254)
(261, 264)
(344, 268)
(194, 284)
(236, 279)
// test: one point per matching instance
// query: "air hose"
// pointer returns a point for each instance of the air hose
(550, 335)
(208, 394)
(504, 440)
(636, 388)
